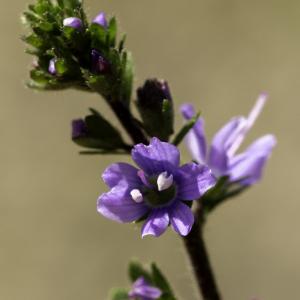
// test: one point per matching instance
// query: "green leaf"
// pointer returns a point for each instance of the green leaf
(61, 66)
(101, 134)
(185, 129)
(98, 36)
(160, 281)
(136, 270)
(34, 41)
(119, 294)
(126, 78)
(112, 32)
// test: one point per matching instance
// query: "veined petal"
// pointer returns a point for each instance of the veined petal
(157, 223)
(193, 181)
(250, 164)
(222, 141)
(182, 218)
(157, 157)
(118, 205)
(195, 139)
(121, 172)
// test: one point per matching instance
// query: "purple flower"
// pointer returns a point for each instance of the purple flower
(142, 290)
(101, 20)
(73, 22)
(157, 190)
(222, 157)
(79, 129)
(52, 68)
(99, 64)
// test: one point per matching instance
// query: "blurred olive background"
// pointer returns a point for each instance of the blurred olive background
(218, 54)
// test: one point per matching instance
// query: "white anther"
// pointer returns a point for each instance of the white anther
(136, 196)
(163, 181)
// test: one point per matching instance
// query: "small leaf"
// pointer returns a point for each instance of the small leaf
(136, 270)
(112, 32)
(160, 281)
(185, 129)
(119, 294)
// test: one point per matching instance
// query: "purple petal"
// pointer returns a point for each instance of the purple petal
(79, 129)
(73, 22)
(52, 67)
(195, 139)
(223, 139)
(253, 115)
(157, 223)
(118, 205)
(250, 164)
(121, 172)
(141, 288)
(100, 19)
(157, 157)
(182, 218)
(193, 181)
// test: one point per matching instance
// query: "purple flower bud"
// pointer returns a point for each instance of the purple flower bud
(99, 64)
(73, 22)
(153, 92)
(141, 289)
(52, 68)
(79, 129)
(100, 19)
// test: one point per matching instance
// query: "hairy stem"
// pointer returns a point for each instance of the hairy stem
(196, 248)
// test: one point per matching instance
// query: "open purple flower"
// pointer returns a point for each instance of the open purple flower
(158, 190)
(222, 158)
(142, 290)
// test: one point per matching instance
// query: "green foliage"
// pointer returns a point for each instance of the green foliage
(100, 134)
(223, 190)
(71, 48)
(119, 294)
(185, 129)
(153, 276)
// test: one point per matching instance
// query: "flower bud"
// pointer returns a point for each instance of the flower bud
(101, 20)
(79, 129)
(99, 64)
(73, 22)
(155, 105)
(52, 68)
(153, 93)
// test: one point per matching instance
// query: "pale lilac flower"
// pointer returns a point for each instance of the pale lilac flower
(159, 190)
(222, 157)
(73, 22)
(142, 290)
(101, 20)
(52, 68)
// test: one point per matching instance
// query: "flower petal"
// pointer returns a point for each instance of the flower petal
(157, 157)
(222, 141)
(141, 288)
(118, 205)
(250, 164)
(195, 139)
(193, 181)
(157, 222)
(182, 218)
(121, 172)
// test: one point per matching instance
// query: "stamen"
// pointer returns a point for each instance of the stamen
(254, 113)
(136, 196)
(163, 181)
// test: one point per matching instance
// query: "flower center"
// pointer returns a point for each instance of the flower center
(162, 191)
